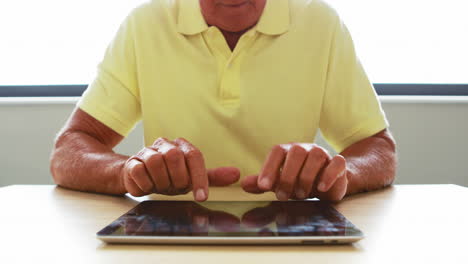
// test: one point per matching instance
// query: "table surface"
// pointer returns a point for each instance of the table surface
(402, 224)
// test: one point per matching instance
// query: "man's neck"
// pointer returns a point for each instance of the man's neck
(233, 37)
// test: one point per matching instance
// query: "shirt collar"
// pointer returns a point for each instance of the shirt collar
(274, 20)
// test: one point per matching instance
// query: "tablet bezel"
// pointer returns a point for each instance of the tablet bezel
(316, 240)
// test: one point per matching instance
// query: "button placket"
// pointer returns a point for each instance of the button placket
(231, 77)
(228, 63)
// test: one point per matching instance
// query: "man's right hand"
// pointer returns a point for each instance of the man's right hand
(172, 168)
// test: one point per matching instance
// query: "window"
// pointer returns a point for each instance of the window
(51, 43)
(56, 41)
(409, 41)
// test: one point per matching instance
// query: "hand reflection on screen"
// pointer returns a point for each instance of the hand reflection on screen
(192, 219)
(297, 217)
(180, 219)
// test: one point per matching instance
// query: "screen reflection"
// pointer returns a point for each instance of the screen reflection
(185, 218)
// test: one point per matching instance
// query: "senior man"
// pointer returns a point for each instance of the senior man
(242, 87)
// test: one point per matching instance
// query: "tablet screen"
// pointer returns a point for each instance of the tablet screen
(231, 219)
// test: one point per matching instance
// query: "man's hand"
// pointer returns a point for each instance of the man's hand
(172, 168)
(299, 171)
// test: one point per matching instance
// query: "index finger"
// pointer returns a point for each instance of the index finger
(270, 170)
(196, 167)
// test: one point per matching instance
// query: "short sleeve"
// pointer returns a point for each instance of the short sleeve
(351, 110)
(113, 97)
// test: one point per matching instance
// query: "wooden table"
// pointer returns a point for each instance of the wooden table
(402, 224)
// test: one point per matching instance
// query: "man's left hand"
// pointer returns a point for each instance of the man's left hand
(300, 171)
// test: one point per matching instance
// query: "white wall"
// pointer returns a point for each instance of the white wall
(430, 132)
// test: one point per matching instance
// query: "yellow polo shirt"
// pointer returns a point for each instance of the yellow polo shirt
(295, 72)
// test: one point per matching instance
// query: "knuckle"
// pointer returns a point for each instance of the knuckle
(340, 160)
(159, 140)
(154, 160)
(174, 154)
(145, 153)
(139, 169)
(338, 163)
(136, 170)
(194, 154)
(285, 147)
(318, 153)
(138, 155)
(298, 149)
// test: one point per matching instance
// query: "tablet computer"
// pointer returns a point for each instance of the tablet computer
(187, 222)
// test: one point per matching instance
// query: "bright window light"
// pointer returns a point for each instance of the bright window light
(56, 41)
(399, 41)
(409, 41)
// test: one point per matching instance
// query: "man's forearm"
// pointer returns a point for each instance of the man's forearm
(371, 163)
(81, 162)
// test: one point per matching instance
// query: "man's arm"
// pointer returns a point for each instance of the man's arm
(371, 163)
(83, 159)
